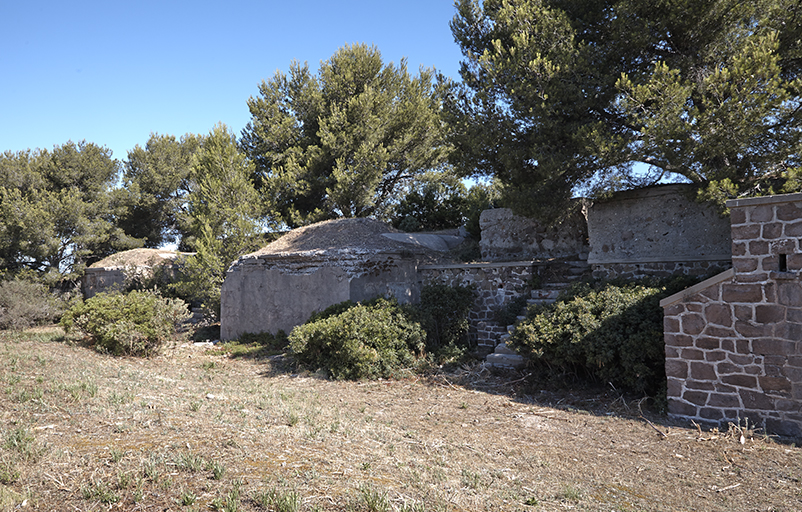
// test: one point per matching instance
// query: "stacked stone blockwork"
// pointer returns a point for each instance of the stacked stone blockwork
(496, 284)
(734, 342)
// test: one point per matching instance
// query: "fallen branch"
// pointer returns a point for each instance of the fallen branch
(511, 382)
(655, 428)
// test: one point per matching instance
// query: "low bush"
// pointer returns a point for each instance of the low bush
(135, 323)
(25, 303)
(443, 312)
(606, 331)
(371, 340)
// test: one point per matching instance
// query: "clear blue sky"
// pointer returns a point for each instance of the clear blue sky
(112, 72)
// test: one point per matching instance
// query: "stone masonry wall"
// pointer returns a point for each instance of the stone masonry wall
(734, 342)
(509, 237)
(496, 285)
(656, 231)
(659, 269)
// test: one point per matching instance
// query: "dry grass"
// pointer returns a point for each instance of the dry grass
(197, 429)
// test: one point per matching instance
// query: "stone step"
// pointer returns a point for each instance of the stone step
(542, 293)
(540, 301)
(502, 348)
(506, 361)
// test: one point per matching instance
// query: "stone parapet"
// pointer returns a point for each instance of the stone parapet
(660, 225)
(509, 237)
(660, 269)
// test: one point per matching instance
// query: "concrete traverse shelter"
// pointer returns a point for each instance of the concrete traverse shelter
(313, 267)
(113, 272)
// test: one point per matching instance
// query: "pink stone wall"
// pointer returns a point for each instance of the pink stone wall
(734, 342)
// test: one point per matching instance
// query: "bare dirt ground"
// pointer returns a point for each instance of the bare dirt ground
(200, 428)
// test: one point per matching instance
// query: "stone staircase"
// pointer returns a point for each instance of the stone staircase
(504, 357)
(567, 271)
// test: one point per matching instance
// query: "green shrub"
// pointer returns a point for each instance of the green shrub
(370, 340)
(135, 323)
(609, 332)
(509, 314)
(265, 339)
(443, 312)
(25, 303)
(333, 310)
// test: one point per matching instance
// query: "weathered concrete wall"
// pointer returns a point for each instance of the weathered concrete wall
(97, 280)
(496, 285)
(656, 231)
(508, 237)
(271, 293)
(734, 342)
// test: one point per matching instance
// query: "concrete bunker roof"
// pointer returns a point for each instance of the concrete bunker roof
(139, 258)
(339, 237)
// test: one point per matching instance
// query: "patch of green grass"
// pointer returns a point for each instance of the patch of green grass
(99, 491)
(190, 462)
(279, 500)
(187, 498)
(229, 503)
(372, 499)
(471, 479)
(9, 473)
(217, 469)
(21, 441)
(116, 455)
(81, 390)
(570, 492)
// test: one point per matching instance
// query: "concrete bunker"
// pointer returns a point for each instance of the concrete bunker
(313, 267)
(114, 272)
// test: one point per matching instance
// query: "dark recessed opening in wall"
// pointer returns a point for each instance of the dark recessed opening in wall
(783, 263)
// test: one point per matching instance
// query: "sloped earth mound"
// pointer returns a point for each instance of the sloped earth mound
(138, 258)
(201, 427)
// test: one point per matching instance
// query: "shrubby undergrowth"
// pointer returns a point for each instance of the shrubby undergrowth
(610, 332)
(370, 340)
(135, 323)
(380, 338)
(26, 303)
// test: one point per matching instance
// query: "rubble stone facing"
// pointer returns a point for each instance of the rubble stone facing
(510, 237)
(657, 231)
(734, 342)
(496, 285)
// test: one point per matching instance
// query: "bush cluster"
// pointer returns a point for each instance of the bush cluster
(365, 341)
(443, 312)
(381, 337)
(25, 303)
(610, 332)
(135, 323)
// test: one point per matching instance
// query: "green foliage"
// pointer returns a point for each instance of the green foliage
(25, 303)
(431, 204)
(156, 184)
(223, 223)
(508, 315)
(137, 323)
(609, 332)
(443, 312)
(558, 95)
(333, 310)
(265, 339)
(365, 341)
(56, 209)
(340, 143)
